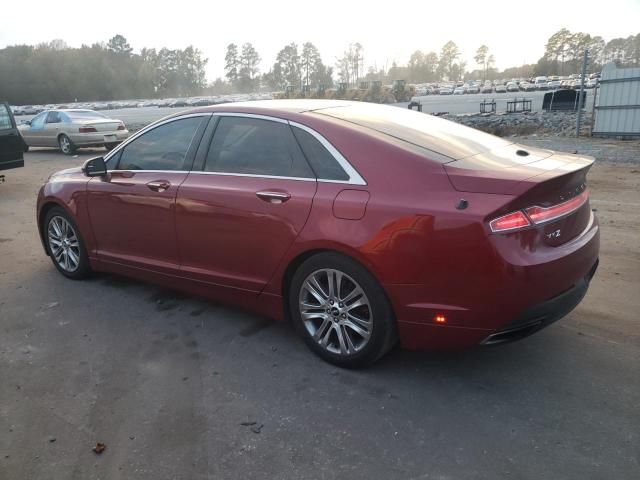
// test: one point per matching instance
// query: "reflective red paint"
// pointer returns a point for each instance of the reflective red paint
(211, 235)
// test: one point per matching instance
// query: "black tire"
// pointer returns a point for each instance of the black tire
(110, 146)
(66, 145)
(382, 333)
(83, 268)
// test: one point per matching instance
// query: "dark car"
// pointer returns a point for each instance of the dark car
(364, 224)
(12, 146)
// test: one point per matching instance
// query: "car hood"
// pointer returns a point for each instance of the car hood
(67, 171)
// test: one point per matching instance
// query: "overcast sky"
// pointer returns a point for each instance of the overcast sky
(515, 31)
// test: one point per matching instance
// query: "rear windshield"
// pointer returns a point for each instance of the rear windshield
(436, 134)
(83, 114)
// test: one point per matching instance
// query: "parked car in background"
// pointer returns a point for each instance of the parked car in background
(12, 146)
(71, 129)
(445, 90)
(554, 84)
(486, 89)
(30, 110)
(349, 218)
(459, 91)
(512, 87)
(472, 88)
(501, 88)
(527, 87)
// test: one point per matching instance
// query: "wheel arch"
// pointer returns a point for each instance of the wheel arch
(42, 214)
(301, 257)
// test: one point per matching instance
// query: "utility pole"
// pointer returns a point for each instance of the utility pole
(581, 99)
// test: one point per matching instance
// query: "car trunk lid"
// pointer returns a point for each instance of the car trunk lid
(106, 125)
(549, 187)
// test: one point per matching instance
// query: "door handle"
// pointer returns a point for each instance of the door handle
(273, 197)
(158, 185)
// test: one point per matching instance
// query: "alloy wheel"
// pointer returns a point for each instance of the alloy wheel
(335, 311)
(65, 144)
(63, 244)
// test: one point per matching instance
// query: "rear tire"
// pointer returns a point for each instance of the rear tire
(341, 311)
(65, 245)
(66, 145)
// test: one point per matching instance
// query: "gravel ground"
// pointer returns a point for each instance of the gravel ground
(172, 385)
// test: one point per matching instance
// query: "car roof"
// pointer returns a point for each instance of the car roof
(426, 131)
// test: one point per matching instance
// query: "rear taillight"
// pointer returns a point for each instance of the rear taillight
(537, 215)
(87, 129)
(512, 221)
(120, 127)
(541, 214)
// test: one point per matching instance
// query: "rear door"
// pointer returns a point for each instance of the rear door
(52, 126)
(11, 143)
(244, 203)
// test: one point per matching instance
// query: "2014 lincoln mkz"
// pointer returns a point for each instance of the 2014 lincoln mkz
(364, 224)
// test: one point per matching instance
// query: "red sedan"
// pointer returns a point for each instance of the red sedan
(363, 224)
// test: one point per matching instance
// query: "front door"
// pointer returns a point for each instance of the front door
(132, 208)
(11, 143)
(238, 215)
(33, 132)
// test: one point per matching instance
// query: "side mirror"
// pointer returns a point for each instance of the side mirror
(95, 167)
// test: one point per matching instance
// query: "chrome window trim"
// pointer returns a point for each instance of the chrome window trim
(255, 175)
(250, 115)
(354, 176)
(149, 171)
(151, 126)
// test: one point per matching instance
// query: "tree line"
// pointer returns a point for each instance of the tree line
(53, 72)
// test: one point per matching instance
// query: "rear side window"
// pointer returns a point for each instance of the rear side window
(324, 165)
(5, 119)
(163, 148)
(254, 146)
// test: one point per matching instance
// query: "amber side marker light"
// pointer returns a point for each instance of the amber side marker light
(440, 319)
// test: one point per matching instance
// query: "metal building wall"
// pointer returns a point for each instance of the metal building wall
(617, 112)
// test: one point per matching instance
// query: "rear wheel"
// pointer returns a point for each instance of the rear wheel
(65, 246)
(66, 145)
(341, 311)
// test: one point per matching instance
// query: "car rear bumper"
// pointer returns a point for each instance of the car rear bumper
(526, 292)
(97, 139)
(543, 314)
(415, 336)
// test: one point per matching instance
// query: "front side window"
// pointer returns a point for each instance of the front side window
(163, 148)
(254, 146)
(38, 121)
(5, 119)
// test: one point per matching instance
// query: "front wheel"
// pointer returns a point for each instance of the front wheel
(341, 311)
(65, 245)
(66, 145)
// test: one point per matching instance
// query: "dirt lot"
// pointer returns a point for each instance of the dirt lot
(166, 381)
